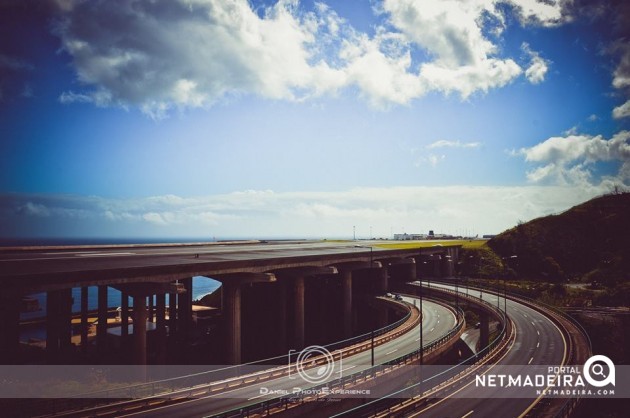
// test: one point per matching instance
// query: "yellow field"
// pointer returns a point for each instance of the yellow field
(427, 244)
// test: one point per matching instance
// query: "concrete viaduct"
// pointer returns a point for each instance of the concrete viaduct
(267, 277)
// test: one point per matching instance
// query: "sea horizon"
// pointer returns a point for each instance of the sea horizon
(71, 241)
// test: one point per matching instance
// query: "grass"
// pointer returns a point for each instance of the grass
(428, 244)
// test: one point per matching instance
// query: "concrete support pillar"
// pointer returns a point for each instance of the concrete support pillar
(52, 326)
(84, 320)
(9, 327)
(346, 286)
(411, 274)
(484, 334)
(437, 261)
(383, 280)
(298, 313)
(382, 316)
(282, 320)
(140, 330)
(124, 316)
(101, 327)
(151, 308)
(160, 326)
(58, 323)
(172, 314)
(65, 319)
(232, 313)
(142, 294)
(184, 309)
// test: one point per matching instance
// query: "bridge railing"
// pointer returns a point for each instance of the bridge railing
(228, 375)
(512, 293)
(571, 403)
(284, 402)
(411, 394)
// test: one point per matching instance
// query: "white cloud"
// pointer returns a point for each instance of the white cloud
(622, 111)
(621, 75)
(291, 214)
(13, 77)
(155, 218)
(569, 160)
(435, 159)
(158, 55)
(453, 144)
(538, 67)
(14, 64)
(380, 67)
(34, 209)
(537, 12)
(451, 32)
(190, 53)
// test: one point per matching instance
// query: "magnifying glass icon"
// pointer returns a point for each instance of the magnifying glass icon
(598, 370)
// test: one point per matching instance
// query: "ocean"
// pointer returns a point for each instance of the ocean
(201, 287)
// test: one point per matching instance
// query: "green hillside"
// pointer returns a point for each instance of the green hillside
(589, 242)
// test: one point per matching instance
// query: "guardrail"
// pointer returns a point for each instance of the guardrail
(285, 402)
(517, 295)
(224, 377)
(410, 397)
(553, 312)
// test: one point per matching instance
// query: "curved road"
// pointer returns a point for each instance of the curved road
(537, 341)
(438, 321)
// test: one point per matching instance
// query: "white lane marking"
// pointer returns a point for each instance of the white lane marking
(432, 329)
(438, 321)
(347, 368)
(525, 315)
(530, 360)
(35, 259)
(538, 345)
(537, 332)
(533, 323)
(417, 339)
(468, 414)
(72, 252)
(255, 397)
(103, 254)
(391, 352)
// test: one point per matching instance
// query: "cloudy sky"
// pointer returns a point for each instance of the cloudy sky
(236, 118)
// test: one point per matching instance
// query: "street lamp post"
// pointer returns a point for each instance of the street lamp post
(513, 258)
(421, 329)
(372, 348)
(371, 253)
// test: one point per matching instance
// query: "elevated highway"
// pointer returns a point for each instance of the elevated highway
(36, 269)
(153, 275)
(349, 358)
(536, 336)
(440, 319)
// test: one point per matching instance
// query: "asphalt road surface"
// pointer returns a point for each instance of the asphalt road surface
(537, 341)
(438, 321)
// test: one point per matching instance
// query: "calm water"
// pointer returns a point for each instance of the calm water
(201, 287)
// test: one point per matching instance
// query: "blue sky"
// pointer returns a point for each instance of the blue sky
(207, 118)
